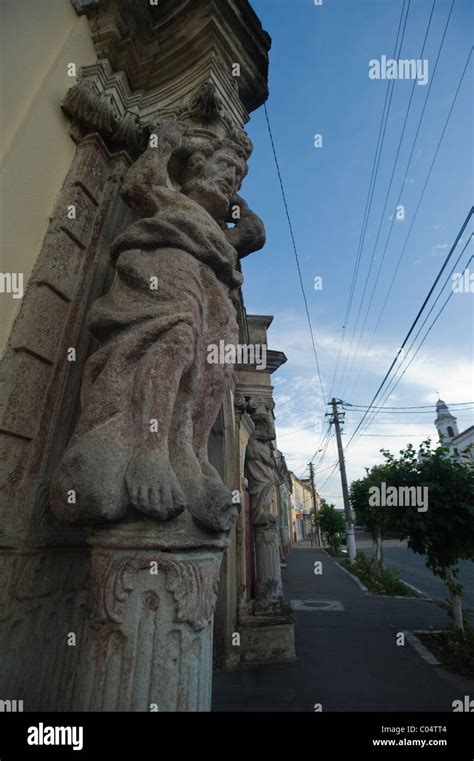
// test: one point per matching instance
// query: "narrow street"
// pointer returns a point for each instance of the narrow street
(412, 568)
(347, 656)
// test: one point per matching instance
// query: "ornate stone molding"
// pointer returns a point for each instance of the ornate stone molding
(158, 46)
(261, 404)
(93, 111)
(193, 583)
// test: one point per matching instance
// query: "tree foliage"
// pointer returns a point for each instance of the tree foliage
(444, 532)
(332, 523)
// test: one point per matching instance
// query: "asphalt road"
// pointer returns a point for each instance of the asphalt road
(411, 567)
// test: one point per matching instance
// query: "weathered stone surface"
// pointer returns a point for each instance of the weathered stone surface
(61, 264)
(148, 645)
(26, 379)
(149, 396)
(13, 453)
(93, 111)
(92, 166)
(262, 475)
(260, 461)
(41, 602)
(31, 331)
(267, 639)
(269, 588)
(161, 47)
(77, 202)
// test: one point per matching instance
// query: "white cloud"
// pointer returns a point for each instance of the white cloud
(300, 403)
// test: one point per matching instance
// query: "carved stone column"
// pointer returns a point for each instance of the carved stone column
(136, 471)
(269, 588)
(148, 644)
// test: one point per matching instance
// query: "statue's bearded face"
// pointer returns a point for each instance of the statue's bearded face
(213, 180)
(264, 427)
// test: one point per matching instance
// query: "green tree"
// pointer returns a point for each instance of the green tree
(332, 522)
(444, 531)
(377, 518)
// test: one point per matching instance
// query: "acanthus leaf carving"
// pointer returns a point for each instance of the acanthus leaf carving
(192, 582)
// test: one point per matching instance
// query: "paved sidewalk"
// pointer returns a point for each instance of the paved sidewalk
(347, 660)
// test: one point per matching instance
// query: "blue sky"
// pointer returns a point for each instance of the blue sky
(319, 83)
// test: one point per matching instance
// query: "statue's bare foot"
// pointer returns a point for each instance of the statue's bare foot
(213, 507)
(208, 499)
(153, 487)
(88, 486)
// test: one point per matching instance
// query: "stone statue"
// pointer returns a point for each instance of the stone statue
(149, 397)
(262, 476)
(260, 466)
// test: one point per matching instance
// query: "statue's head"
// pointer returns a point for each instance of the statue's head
(261, 412)
(214, 172)
(206, 168)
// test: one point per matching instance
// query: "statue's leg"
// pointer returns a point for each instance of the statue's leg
(221, 327)
(118, 457)
(200, 397)
(151, 481)
(88, 485)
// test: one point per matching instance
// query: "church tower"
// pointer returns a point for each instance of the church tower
(445, 422)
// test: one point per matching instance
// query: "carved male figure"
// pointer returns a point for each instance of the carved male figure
(260, 464)
(149, 397)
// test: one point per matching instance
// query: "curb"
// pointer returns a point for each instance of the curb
(385, 597)
(354, 578)
(423, 595)
(427, 656)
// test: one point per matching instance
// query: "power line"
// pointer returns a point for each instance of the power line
(416, 407)
(370, 194)
(382, 410)
(394, 435)
(397, 267)
(323, 443)
(445, 303)
(459, 235)
(372, 260)
(296, 430)
(289, 404)
(295, 250)
(336, 464)
(393, 385)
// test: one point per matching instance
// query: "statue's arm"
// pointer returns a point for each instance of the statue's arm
(248, 235)
(150, 169)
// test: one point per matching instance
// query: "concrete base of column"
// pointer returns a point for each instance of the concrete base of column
(148, 644)
(267, 638)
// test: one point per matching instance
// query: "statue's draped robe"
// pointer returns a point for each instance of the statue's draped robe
(261, 478)
(186, 250)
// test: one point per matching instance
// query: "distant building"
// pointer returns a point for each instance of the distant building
(461, 445)
(301, 508)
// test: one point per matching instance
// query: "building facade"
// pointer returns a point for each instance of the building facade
(461, 444)
(301, 508)
(127, 493)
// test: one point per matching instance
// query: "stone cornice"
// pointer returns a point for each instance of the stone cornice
(275, 359)
(158, 46)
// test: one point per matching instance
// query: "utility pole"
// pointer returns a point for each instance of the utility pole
(315, 504)
(351, 545)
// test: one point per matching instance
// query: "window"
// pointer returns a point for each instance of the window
(450, 432)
